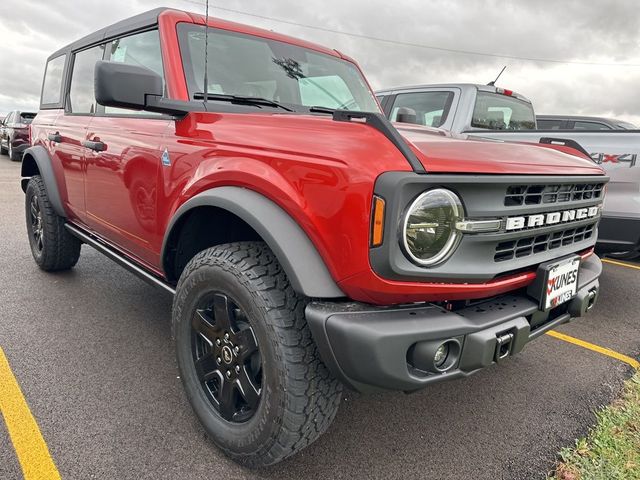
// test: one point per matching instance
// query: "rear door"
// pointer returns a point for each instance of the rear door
(123, 168)
(70, 129)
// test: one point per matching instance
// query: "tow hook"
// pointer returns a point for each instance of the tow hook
(504, 343)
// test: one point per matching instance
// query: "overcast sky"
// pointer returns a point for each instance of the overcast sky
(586, 31)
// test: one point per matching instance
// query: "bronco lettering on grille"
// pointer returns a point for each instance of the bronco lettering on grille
(543, 219)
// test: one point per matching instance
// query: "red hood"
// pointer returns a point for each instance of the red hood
(442, 152)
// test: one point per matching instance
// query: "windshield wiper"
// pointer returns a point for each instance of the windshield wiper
(319, 109)
(240, 100)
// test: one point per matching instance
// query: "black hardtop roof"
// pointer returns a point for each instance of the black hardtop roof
(140, 21)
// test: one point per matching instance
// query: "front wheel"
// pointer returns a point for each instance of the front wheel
(247, 360)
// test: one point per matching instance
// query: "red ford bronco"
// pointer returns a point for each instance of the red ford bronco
(308, 242)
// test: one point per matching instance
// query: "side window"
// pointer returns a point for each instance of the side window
(52, 85)
(590, 126)
(82, 98)
(142, 49)
(431, 108)
(551, 124)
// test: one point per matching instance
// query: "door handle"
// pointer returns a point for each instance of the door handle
(95, 146)
(55, 137)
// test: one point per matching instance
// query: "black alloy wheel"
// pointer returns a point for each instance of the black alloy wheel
(35, 216)
(226, 358)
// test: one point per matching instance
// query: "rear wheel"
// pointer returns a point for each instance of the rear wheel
(53, 248)
(247, 360)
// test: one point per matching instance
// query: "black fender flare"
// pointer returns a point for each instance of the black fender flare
(40, 157)
(292, 247)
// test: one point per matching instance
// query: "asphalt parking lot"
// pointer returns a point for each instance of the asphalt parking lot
(92, 353)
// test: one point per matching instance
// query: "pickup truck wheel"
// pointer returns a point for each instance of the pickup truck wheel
(13, 155)
(624, 255)
(246, 357)
(53, 248)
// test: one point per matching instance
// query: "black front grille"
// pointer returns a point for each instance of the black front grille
(518, 195)
(523, 247)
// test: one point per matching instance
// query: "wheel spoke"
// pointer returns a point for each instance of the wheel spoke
(206, 367)
(202, 323)
(246, 341)
(34, 208)
(248, 389)
(223, 312)
(226, 400)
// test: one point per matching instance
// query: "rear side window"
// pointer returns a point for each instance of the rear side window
(495, 111)
(590, 126)
(431, 108)
(52, 85)
(27, 118)
(551, 124)
(142, 49)
(82, 98)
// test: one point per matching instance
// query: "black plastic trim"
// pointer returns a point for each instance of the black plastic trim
(384, 126)
(366, 346)
(121, 260)
(41, 157)
(292, 247)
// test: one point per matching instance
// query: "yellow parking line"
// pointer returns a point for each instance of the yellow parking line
(622, 264)
(30, 447)
(605, 351)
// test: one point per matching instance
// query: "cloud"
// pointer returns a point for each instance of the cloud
(607, 32)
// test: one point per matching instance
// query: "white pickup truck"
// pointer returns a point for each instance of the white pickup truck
(500, 114)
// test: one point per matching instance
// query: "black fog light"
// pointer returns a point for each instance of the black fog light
(435, 356)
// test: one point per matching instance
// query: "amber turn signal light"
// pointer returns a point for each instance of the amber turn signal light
(377, 222)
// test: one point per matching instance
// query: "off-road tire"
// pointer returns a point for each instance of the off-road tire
(58, 250)
(3, 151)
(299, 397)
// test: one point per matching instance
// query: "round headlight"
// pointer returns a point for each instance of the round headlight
(429, 229)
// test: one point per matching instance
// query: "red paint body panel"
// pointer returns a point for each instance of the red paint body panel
(321, 172)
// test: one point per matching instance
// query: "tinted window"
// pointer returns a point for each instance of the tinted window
(52, 86)
(252, 66)
(431, 108)
(551, 124)
(590, 126)
(143, 50)
(81, 95)
(495, 111)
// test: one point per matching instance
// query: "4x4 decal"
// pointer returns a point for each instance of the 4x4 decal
(601, 158)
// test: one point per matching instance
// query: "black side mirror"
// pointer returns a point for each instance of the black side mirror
(125, 86)
(122, 85)
(406, 115)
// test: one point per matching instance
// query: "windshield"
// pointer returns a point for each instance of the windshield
(495, 111)
(251, 66)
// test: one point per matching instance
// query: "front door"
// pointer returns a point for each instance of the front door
(123, 161)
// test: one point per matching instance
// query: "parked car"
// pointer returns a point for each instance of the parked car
(578, 122)
(497, 113)
(14, 136)
(307, 246)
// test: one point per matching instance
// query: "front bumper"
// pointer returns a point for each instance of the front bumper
(371, 348)
(618, 234)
